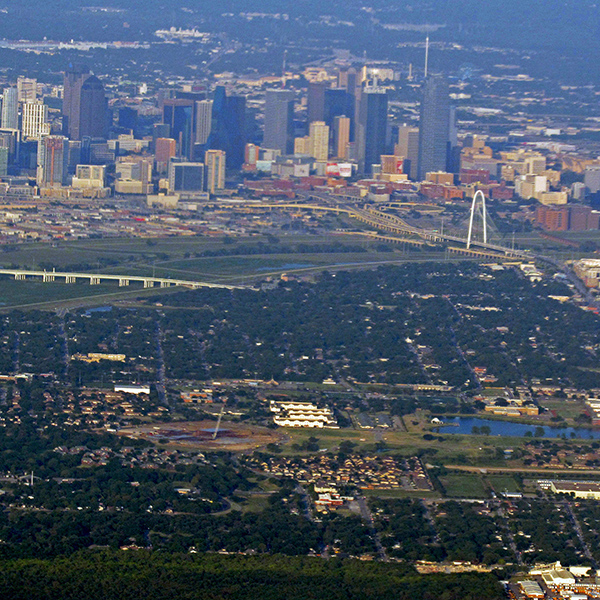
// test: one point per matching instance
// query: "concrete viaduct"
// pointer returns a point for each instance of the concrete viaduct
(97, 278)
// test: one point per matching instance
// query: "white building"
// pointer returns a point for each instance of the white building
(589, 490)
(133, 389)
(35, 120)
(215, 170)
(531, 186)
(89, 176)
(203, 120)
(319, 140)
(302, 414)
(26, 89)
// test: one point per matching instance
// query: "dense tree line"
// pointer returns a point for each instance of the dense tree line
(143, 576)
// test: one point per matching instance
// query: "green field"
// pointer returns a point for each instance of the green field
(397, 493)
(37, 294)
(464, 486)
(503, 483)
(567, 409)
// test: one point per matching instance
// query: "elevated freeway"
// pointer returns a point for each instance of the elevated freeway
(395, 224)
(98, 278)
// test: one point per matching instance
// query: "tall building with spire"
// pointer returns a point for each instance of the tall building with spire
(434, 127)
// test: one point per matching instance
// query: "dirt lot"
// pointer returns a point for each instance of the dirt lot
(234, 437)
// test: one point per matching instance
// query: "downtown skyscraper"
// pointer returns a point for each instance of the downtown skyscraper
(434, 127)
(228, 126)
(178, 114)
(372, 127)
(84, 104)
(10, 109)
(279, 121)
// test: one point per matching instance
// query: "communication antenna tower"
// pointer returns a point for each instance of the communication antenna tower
(284, 66)
(426, 56)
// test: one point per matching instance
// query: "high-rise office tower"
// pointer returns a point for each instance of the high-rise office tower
(35, 120)
(160, 130)
(186, 176)
(92, 109)
(372, 127)
(74, 152)
(203, 120)
(251, 154)
(215, 170)
(302, 145)
(228, 128)
(127, 118)
(348, 79)
(352, 81)
(26, 89)
(407, 147)
(319, 140)
(236, 131)
(338, 102)
(165, 150)
(53, 157)
(434, 127)
(3, 161)
(179, 115)
(316, 101)
(9, 140)
(279, 121)
(164, 94)
(10, 109)
(134, 176)
(217, 139)
(74, 79)
(341, 136)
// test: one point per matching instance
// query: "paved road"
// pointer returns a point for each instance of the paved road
(541, 473)
(160, 369)
(579, 532)
(511, 539)
(367, 517)
(306, 500)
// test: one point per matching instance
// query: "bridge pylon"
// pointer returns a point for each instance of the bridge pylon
(479, 195)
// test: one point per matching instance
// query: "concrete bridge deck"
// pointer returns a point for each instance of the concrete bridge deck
(97, 278)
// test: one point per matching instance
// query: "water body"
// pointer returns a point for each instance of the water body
(464, 426)
(100, 309)
(287, 266)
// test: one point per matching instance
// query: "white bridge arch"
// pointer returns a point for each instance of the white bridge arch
(478, 195)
